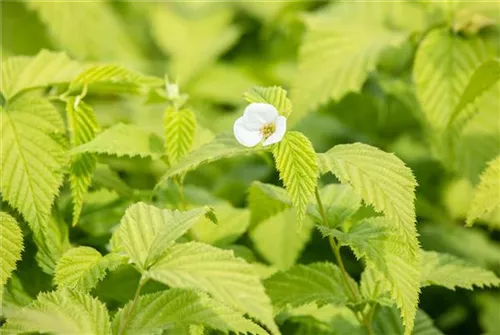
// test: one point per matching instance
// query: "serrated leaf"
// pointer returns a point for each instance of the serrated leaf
(297, 164)
(223, 146)
(444, 63)
(451, 272)
(321, 283)
(81, 268)
(228, 279)
(277, 242)
(374, 287)
(52, 242)
(176, 307)
(274, 95)
(266, 200)
(45, 69)
(382, 180)
(32, 159)
(11, 245)
(82, 124)
(486, 197)
(179, 133)
(67, 20)
(386, 321)
(62, 312)
(145, 231)
(105, 177)
(338, 52)
(124, 140)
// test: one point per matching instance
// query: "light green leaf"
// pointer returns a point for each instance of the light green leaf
(167, 309)
(486, 196)
(45, 69)
(52, 242)
(113, 79)
(81, 268)
(266, 200)
(228, 279)
(146, 232)
(386, 321)
(488, 317)
(11, 245)
(210, 34)
(381, 179)
(179, 133)
(231, 224)
(223, 146)
(32, 159)
(82, 126)
(321, 283)
(374, 287)
(280, 244)
(274, 95)
(70, 28)
(124, 140)
(450, 271)
(62, 312)
(444, 64)
(105, 177)
(341, 47)
(297, 164)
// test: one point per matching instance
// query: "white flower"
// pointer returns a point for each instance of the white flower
(260, 121)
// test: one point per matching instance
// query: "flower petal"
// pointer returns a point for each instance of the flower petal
(260, 113)
(278, 133)
(245, 136)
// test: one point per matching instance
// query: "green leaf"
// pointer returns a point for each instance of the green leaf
(106, 178)
(82, 126)
(450, 271)
(81, 268)
(266, 200)
(228, 279)
(210, 34)
(342, 45)
(298, 167)
(444, 64)
(387, 252)
(274, 95)
(387, 321)
(52, 242)
(486, 197)
(70, 29)
(113, 79)
(381, 179)
(179, 133)
(32, 159)
(163, 310)
(62, 312)
(483, 78)
(146, 232)
(223, 146)
(321, 283)
(488, 317)
(277, 242)
(124, 140)
(11, 245)
(45, 69)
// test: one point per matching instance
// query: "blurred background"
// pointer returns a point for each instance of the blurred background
(216, 51)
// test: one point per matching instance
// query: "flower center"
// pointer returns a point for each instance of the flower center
(267, 129)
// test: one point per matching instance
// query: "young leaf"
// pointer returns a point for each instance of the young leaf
(450, 271)
(179, 133)
(45, 69)
(145, 231)
(228, 279)
(381, 179)
(321, 283)
(155, 312)
(82, 126)
(274, 95)
(62, 312)
(486, 196)
(444, 63)
(32, 160)
(266, 200)
(277, 242)
(82, 268)
(11, 245)
(297, 164)
(341, 47)
(124, 140)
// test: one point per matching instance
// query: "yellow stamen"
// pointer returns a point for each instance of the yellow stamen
(267, 129)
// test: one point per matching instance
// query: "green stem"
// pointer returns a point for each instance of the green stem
(129, 311)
